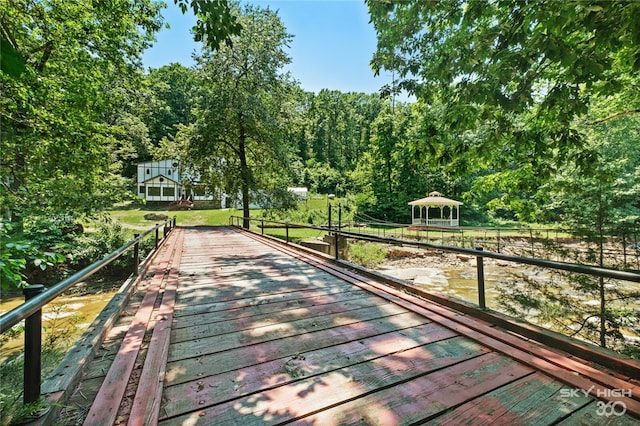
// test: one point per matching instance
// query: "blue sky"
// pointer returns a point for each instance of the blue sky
(332, 46)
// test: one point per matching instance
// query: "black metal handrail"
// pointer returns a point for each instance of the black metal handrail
(37, 297)
(565, 266)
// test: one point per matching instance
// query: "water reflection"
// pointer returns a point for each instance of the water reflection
(73, 312)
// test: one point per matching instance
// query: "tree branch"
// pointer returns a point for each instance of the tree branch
(614, 116)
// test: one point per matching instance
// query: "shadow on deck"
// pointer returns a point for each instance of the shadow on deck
(234, 329)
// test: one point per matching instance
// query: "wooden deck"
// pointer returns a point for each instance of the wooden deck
(232, 329)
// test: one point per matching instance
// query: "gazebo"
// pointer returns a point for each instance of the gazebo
(435, 210)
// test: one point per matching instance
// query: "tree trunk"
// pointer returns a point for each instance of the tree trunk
(244, 177)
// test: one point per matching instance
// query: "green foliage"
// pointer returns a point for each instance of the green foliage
(512, 92)
(168, 101)
(106, 237)
(23, 252)
(580, 306)
(11, 62)
(366, 254)
(216, 23)
(236, 142)
(56, 341)
(53, 135)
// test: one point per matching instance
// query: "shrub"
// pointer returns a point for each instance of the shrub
(366, 254)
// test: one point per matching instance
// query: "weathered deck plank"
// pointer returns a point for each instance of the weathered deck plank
(256, 376)
(196, 368)
(262, 335)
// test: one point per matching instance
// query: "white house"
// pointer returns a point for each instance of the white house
(164, 180)
(159, 180)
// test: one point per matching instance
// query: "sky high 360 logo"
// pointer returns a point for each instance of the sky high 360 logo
(604, 408)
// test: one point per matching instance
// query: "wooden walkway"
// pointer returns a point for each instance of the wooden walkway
(234, 329)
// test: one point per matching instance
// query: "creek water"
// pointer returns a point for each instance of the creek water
(459, 281)
(68, 316)
(457, 278)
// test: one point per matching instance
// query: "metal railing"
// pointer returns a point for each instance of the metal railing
(479, 253)
(36, 297)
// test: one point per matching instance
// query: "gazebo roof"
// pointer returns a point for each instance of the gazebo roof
(435, 199)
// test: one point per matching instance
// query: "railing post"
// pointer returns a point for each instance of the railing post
(286, 226)
(136, 255)
(336, 242)
(480, 267)
(174, 221)
(157, 232)
(32, 348)
(339, 216)
(262, 226)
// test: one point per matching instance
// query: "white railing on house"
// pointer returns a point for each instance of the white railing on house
(435, 222)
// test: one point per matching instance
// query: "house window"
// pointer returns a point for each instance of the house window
(169, 191)
(169, 171)
(148, 171)
(141, 189)
(153, 191)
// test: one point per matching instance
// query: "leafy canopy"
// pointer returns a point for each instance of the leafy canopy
(519, 71)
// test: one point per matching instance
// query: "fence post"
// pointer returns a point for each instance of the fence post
(336, 243)
(480, 268)
(498, 240)
(174, 221)
(262, 226)
(624, 251)
(136, 255)
(286, 226)
(157, 232)
(32, 348)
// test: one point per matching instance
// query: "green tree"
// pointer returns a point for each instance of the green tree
(168, 100)
(60, 150)
(53, 136)
(598, 205)
(242, 110)
(216, 21)
(516, 79)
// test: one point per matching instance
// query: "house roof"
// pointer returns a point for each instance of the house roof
(435, 199)
(158, 177)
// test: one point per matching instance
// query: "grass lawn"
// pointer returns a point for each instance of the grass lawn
(132, 216)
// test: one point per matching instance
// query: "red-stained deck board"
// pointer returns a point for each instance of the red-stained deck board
(298, 301)
(531, 400)
(194, 369)
(194, 309)
(146, 404)
(207, 345)
(306, 396)
(425, 397)
(256, 377)
(534, 355)
(265, 319)
(265, 335)
(105, 407)
(599, 414)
